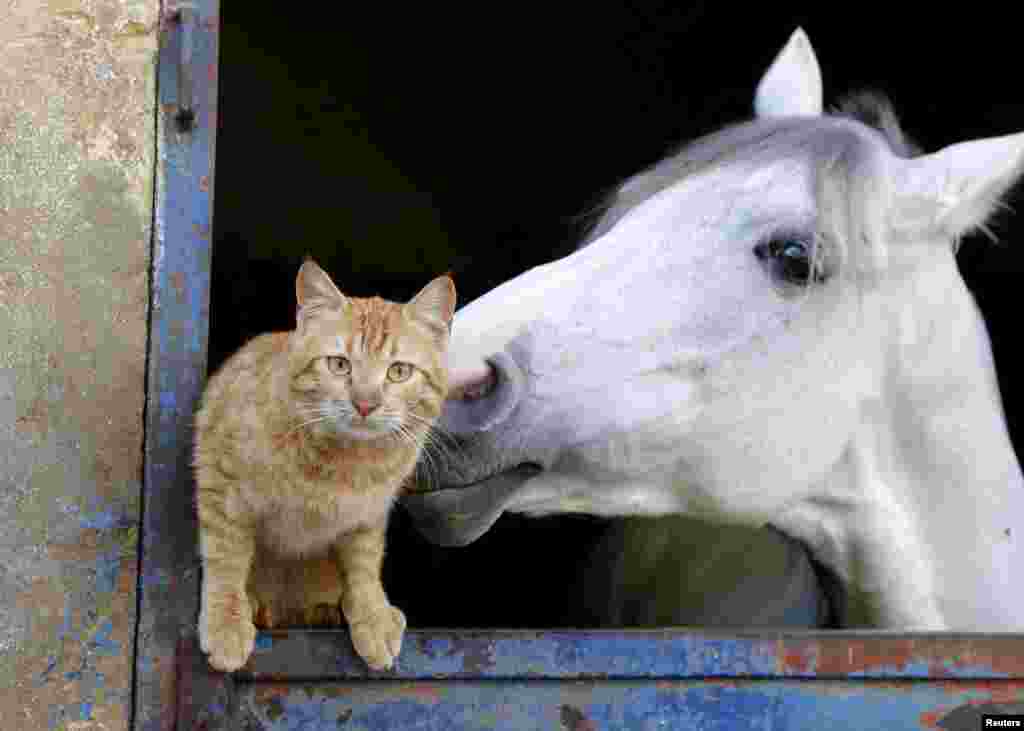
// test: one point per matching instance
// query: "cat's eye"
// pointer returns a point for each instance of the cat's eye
(338, 365)
(399, 372)
(792, 259)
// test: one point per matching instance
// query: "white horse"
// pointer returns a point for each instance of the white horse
(767, 327)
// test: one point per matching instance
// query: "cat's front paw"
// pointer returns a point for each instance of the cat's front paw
(228, 641)
(378, 636)
(230, 645)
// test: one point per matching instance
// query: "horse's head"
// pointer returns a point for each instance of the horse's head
(726, 327)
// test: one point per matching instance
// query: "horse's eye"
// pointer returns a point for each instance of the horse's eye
(791, 259)
(338, 365)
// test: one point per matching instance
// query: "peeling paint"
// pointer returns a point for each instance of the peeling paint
(76, 170)
(181, 251)
(643, 679)
(654, 654)
(519, 704)
(937, 657)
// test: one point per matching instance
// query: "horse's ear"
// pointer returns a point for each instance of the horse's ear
(792, 84)
(956, 189)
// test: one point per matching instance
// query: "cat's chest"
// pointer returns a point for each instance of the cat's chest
(305, 525)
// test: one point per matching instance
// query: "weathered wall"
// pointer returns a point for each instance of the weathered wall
(76, 168)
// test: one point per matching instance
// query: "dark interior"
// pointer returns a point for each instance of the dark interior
(398, 142)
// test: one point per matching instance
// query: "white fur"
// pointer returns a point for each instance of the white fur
(666, 371)
(967, 180)
(792, 85)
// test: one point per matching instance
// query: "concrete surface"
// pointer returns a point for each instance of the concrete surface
(76, 167)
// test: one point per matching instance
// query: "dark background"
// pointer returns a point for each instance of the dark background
(401, 141)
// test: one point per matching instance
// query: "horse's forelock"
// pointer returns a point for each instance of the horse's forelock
(853, 196)
(874, 109)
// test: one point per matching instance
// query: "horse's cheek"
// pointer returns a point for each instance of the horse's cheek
(756, 417)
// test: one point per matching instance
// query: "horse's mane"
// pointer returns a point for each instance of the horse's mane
(876, 111)
(852, 187)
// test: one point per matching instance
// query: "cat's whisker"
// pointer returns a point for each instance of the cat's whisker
(436, 433)
(428, 460)
(438, 436)
(432, 469)
(437, 453)
(428, 422)
(426, 473)
(391, 423)
(306, 423)
(413, 438)
(440, 450)
(424, 437)
(318, 411)
(431, 460)
(425, 464)
(424, 469)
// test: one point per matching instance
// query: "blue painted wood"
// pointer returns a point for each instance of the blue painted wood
(179, 315)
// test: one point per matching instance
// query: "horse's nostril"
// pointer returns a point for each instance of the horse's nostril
(473, 384)
(481, 389)
(483, 395)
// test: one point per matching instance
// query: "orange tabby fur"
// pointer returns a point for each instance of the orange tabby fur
(295, 481)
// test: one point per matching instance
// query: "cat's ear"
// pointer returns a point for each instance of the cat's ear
(314, 291)
(435, 304)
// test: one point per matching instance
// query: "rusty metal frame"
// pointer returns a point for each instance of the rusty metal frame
(589, 680)
(168, 589)
(579, 680)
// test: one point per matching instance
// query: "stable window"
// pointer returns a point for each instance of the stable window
(392, 149)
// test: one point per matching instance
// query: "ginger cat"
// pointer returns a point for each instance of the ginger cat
(303, 441)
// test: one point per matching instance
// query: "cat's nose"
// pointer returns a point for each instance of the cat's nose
(364, 407)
